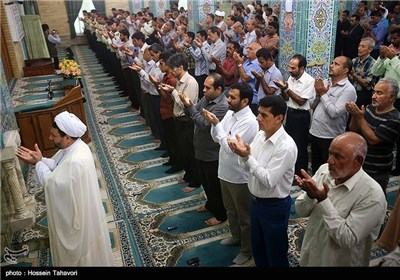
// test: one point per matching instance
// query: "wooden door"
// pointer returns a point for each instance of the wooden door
(5, 58)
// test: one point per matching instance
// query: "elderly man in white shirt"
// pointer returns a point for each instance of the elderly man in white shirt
(345, 206)
(239, 120)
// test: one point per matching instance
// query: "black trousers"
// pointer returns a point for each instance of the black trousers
(170, 139)
(208, 171)
(184, 131)
(132, 86)
(319, 152)
(297, 126)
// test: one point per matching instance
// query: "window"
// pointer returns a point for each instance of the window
(86, 5)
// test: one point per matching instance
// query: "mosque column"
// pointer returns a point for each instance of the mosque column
(200, 10)
(23, 217)
(192, 15)
(308, 28)
(159, 6)
(136, 5)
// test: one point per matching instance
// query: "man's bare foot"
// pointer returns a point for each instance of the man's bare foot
(181, 181)
(212, 222)
(188, 189)
(202, 208)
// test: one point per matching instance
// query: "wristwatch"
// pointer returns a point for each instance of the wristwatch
(285, 91)
(246, 158)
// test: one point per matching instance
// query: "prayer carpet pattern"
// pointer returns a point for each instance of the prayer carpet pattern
(141, 201)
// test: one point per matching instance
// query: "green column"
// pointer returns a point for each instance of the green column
(308, 30)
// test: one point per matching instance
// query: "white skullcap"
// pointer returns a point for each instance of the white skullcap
(70, 124)
(220, 13)
(251, 7)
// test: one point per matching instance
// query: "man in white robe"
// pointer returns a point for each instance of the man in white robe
(77, 223)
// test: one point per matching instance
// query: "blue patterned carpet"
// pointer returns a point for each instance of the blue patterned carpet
(142, 201)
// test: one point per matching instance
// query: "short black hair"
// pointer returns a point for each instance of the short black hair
(45, 27)
(139, 36)
(218, 81)
(124, 32)
(264, 53)
(276, 104)
(301, 59)
(245, 91)
(157, 48)
(203, 33)
(191, 34)
(395, 31)
(165, 55)
(177, 60)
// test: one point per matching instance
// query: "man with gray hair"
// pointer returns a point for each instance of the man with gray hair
(345, 206)
(379, 123)
(361, 75)
(78, 231)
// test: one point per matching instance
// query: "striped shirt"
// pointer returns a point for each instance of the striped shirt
(386, 126)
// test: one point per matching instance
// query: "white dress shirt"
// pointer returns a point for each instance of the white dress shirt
(244, 124)
(271, 164)
(303, 87)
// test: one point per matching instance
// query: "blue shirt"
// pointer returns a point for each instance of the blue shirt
(249, 66)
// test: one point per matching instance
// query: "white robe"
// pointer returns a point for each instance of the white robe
(77, 223)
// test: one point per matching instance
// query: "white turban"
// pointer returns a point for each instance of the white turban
(70, 124)
(251, 8)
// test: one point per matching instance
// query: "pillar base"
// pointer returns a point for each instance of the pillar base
(28, 218)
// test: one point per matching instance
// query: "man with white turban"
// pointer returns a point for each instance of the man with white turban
(77, 223)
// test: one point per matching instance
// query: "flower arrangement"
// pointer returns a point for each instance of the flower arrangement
(70, 69)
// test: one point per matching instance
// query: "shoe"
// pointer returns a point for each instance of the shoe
(167, 163)
(395, 172)
(173, 169)
(241, 259)
(229, 242)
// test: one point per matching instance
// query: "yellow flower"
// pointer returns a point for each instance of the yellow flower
(70, 69)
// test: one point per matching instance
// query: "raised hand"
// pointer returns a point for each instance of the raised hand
(185, 99)
(320, 88)
(308, 185)
(28, 155)
(135, 67)
(130, 52)
(210, 117)
(353, 109)
(166, 87)
(279, 83)
(239, 147)
(238, 59)
(258, 75)
(154, 80)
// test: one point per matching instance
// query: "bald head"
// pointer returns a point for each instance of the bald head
(346, 156)
(354, 142)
